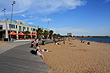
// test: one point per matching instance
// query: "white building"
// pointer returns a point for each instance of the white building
(70, 34)
(16, 26)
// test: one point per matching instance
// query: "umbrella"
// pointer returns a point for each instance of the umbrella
(21, 33)
(34, 34)
(29, 34)
(12, 33)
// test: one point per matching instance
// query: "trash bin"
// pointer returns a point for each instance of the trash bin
(43, 42)
(5, 39)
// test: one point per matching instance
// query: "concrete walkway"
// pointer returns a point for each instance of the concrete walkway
(4, 46)
(18, 59)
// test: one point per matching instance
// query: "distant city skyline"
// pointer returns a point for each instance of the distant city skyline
(80, 17)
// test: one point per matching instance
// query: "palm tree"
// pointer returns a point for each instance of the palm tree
(26, 32)
(58, 35)
(45, 33)
(39, 32)
(50, 33)
(54, 36)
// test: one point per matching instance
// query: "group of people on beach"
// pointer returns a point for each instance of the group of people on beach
(34, 43)
(56, 43)
(82, 41)
(88, 43)
(37, 50)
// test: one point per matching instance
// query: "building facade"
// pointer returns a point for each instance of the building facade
(17, 26)
(70, 34)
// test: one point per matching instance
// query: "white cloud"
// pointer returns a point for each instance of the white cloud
(50, 6)
(23, 15)
(30, 23)
(40, 6)
(81, 32)
(30, 16)
(107, 0)
(18, 7)
(46, 19)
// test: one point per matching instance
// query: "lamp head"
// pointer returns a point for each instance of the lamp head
(13, 2)
(4, 9)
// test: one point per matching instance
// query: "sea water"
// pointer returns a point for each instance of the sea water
(97, 39)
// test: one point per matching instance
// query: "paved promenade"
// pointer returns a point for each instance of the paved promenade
(16, 58)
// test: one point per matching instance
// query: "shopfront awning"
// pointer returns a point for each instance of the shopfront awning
(12, 33)
(21, 33)
(34, 34)
(29, 34)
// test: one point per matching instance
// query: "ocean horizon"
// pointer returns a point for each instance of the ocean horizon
(96, 39)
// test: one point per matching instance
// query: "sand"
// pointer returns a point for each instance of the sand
(83, 58)
(3, 44)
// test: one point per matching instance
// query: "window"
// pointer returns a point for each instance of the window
(23, 28)
(20, 22)
(1, 26)
(11, 26)
(27, 28)
(33, 29)
(19, 28)
(16, 26)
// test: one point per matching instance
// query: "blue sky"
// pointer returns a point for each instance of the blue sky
(80, 17)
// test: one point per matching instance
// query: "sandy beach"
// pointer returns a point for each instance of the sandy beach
(77, 57)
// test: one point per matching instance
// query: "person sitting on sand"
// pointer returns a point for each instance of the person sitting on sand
(63, 42)
(45, 50)
(37, 50)
(88, 43)
(55, 41)
(101, 41)
(81, 41)
(38, 53)
(57, 44)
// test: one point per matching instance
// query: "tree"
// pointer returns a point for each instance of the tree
(58, 35)
(39, 33)
(26, 32)
(50, 33)
(54, 36)
(45, 33)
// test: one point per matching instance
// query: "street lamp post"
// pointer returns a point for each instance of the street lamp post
(47, 25)
(6, 24)
(11, 18)
(47, 28)
(57, 30)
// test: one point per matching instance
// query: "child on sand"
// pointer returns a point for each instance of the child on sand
(63, 42)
